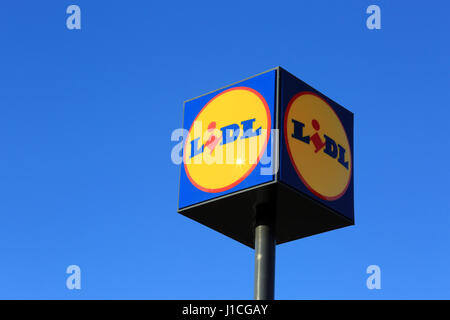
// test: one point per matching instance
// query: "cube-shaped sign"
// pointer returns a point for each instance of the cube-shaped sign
(268, 135)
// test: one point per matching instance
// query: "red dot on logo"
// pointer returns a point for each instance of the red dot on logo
(316, 124)
(212, 126)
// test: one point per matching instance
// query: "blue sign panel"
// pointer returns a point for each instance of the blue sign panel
(316, 154)
(228, 145)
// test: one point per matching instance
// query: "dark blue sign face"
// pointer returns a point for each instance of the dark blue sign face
(229, 145)
(316, 148)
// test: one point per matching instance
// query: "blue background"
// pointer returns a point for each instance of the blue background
(265, 85)
(85, 124)
(290, 86)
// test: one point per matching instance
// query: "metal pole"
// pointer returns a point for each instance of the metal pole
(265, 243)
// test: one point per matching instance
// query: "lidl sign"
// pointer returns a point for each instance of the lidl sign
(268, 132)
(319, 156)
(224, 124)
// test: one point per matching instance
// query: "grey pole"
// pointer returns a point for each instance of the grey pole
(265, 243)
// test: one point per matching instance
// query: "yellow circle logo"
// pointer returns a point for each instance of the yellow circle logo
(318, 146)
(227, 139)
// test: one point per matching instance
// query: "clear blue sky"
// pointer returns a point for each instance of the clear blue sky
(86, 116)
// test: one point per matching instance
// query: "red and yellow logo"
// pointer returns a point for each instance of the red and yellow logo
(227, 139)
(318, 146)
